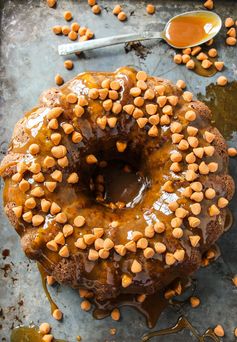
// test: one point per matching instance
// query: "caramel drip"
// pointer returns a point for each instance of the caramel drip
(181, 325)
(43, 275)
(28, 334)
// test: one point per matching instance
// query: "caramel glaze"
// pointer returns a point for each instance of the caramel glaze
(28, 334)
(150, 155)
(182, 324)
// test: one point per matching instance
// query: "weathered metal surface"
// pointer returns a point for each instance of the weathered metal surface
(29, 62)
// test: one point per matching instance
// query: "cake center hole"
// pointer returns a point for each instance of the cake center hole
(119, 184)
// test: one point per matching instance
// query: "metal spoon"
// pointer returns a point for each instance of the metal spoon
(67, 49)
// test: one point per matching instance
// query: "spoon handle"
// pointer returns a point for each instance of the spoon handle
(67, 49)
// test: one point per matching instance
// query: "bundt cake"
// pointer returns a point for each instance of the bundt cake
(55, 186)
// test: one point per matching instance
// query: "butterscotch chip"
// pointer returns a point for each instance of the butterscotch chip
(44, 328)
(231, 32)
(17, 211)
(176, 157)
(197, 196)
(176, 127)
(24, 185)
(222, 80)
(45, 205)
(169, 259)
(54, 209)
(183, 145)
(176, 222)
(121, 146)
(103, 253)
(27, 216)
(209, 4)
(59, 80)
(167, 110)
(93, 93)
(149, 94)
(67, 15)
(37, 220)
(52, 246)
(168, 186)
(60, 239)
(219, 331)
(91, 159)
(160, 248)
(135, 91)
(190, 64)
(229, 22)
(30, 203)
(176, 138)
(74, 27)
(99, 244)
(196, 186)
(193, 142)
(120, 249)
(219, 65)
(159, 227)
(222, 202)
(53, 124)
(142, 243)
(187, 96)
(194, 240)
(57, 29)
(196, 208)
(190, 115)
(154, 119)
(193, 221)
(115, 85)
(209, 150)
(213, 210)
(136, 235)
(122, 16)
(136, 267)
(181, 212)
(103, 93)
(173, 206)
(131, 246)
(51, 186)
(37, 192)
(115, 314)
(73, 178)
(141, 298)
(137, 113)
(234, 280)
(185, 59)
(116, 108)
(203, 168)
(112, 122)
(126, 280)
(161, 100)
(57, 314)
(79, 221)
(177, 59)
(138, 101)
(34, 149)
(105, 83)
(194, 301)
(149, 231)
(67, 230)
(142, 85)
(101, 122)
(108, 244)
(63, 162)
(181, 84)
(117, 9)
(142, 122)
(80, 243)
(71, 98)
(93, 255)
(51, 3)
(187, 192)
(47, 338)
(113, 95)
(64, 252)
(96, 9)
(148, 253)
(190, 158)
(57, 176)
(61, 218)
(65, 30)
(206, 64)
(177, 233)
(72, 35)
(173, 100)
(199, 151)
(192, 131)
(164, 120)
(153, 131)
(232, 152)
(56, 138)
(150, 9)
(107, 105)
(213, 167)
(151, 109)
(179, 255)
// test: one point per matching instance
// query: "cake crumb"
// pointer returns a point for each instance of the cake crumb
(113, 331)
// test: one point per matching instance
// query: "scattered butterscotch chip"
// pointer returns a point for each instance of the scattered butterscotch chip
(194, 240)
(122, 16)
(67, 15)
(231, 41)
(194, 301)
(65, 30)
(91, 2)
(136, 267)
(213, 210)
(229, 22)
(170, 259)
(59, 80)
(219, 331)
(177, 59)
(115, 314)
(206, 64)
(222, 202)
(212, 52)
(181, 84)
(202, 56)
(75, 27)
(150, 9)
(222, 80)
(209, 4)
(47, 338)
(117, 9)
(44, 328)
(232, 152)
(96, 9)
(126, 280)
(51, 3)
(234, 280)
(52, 246)
(235, 332)
(185, 58)
(68, 64)
(196, 50)
(91, 159)
(79, 221)
(190, 64)
(57, 314)
(231, 32)
(64, 252)
(57, 29)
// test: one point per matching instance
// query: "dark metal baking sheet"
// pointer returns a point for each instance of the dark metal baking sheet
(29, 62)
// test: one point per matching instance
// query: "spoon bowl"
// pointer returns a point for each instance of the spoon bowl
(184, 30)
(191, 29)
